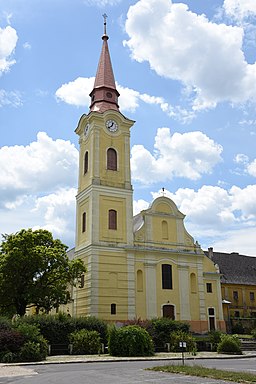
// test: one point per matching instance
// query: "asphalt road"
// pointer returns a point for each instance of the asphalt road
(121, 373)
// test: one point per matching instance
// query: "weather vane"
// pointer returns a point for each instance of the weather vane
(163, 191)
(105, 23)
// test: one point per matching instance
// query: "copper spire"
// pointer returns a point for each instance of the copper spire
(104, 95)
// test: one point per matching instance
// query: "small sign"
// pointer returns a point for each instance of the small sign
(183, 344)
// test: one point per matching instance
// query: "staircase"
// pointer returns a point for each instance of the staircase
(248, 345)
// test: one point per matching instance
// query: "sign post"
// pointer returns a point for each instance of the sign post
(183, 345)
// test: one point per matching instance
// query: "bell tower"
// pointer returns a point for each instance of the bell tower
(104, 199)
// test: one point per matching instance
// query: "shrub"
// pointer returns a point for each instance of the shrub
(177, 337)
(5, 323)
(10, 341)
(214, 339)
(238, 328)
(85, 342)
(130, 340)
(253, 333)
(230, 344)
(161, 328)
(31, 351)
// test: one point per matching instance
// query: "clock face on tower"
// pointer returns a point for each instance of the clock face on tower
(86, 129)
(111, 125)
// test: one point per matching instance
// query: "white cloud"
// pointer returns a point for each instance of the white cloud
(181, 155)
(251, 168)
(8, 41)
(27, 45)
(39, 167)
(12, 98)
(241, 158)
(240, 9)
(139, 205)
(181, 45)
(102, 3)
(76, 92)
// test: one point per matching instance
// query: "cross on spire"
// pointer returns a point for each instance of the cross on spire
(105, 23)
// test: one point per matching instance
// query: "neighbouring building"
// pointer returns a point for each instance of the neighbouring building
(137, 267)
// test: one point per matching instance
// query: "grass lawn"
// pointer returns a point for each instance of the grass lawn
(237, 377)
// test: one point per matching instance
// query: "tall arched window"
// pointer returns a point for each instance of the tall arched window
(166, 276)
(84, 222)
(193, 283)
(164, 229)
(112, 219)
(112, 159)
(85, 162)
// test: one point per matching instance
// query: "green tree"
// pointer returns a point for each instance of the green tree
(35, 269)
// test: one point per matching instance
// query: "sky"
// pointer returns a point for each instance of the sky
(186, 72)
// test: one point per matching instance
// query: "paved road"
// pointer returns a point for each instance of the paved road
(120, 372)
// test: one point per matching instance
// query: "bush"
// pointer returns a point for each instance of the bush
(238, 328)
(5, 323)
(31, 351)
(130, 340)
(229, 344)
(85, 342)
(253, 333)
(161, 329)
(177, 337)
(10, 341)
(214, 339)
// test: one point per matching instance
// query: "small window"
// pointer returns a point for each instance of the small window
(211, 311)
(237, 314)
(209, 287)
(112, 159)
(113, 309)
(84, 222)
(166, 276)
(85, 162)
(235, 295)
(252, 296)
(112, 219)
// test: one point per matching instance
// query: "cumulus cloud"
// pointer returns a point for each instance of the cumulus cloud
(8, 41)
(251, 168)
(179, 44)
(240, 9)
(187, 155)
(42, 166)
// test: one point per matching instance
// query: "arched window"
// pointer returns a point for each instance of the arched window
(112, 159)
(164, 229)
(84, 222)
(113, 309)
(166, 276)
(193, 283)
(85, 162)
(139, 281)
(112, 219)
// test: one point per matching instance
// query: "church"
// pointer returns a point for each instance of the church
(145, 266)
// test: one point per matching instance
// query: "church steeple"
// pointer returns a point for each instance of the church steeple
(104, 95)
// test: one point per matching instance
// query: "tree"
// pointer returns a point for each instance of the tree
(35, 269)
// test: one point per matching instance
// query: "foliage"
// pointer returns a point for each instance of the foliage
(10, 341)
(177, 337)
(130, 340)
(35, 269)
(238, 328)
(253, 333)
(57, 328)
(5, 323)
(85, 342)
(32, 351)
(214, 339)
(237, 377)
(229, 344)
(161, 328)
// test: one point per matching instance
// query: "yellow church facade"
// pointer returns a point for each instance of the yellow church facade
(137, 267)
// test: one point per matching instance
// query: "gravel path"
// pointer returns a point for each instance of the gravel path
(14, 370)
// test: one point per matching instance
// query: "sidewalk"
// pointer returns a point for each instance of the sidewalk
(65, 359)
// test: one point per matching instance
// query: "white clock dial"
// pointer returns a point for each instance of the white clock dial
(111, 125)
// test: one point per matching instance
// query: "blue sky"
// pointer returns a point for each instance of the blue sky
(186, 73)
